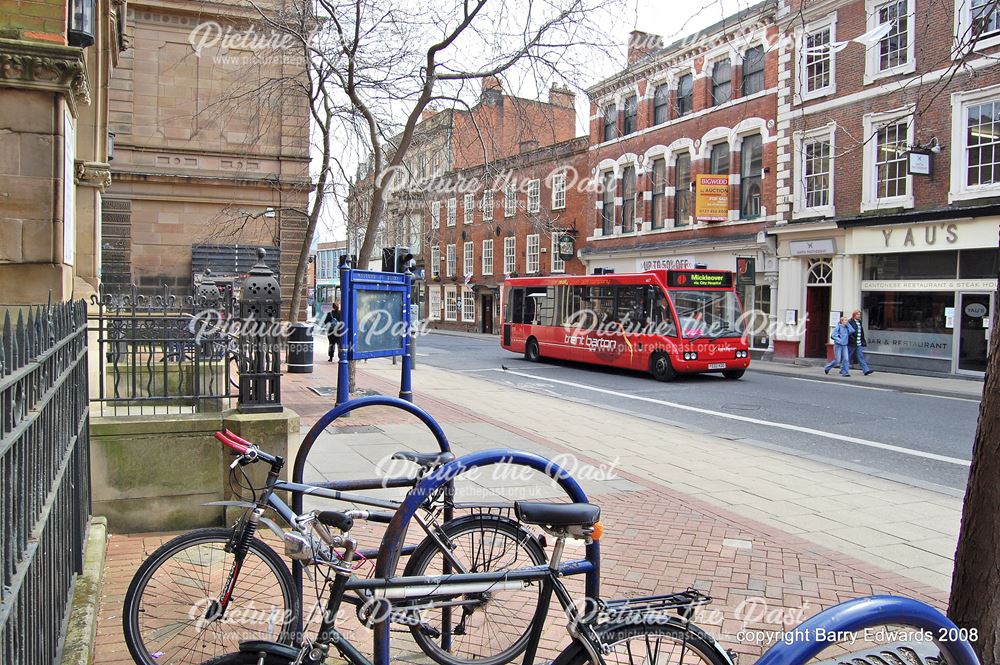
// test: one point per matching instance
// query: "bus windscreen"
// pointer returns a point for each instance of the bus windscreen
(707, 313)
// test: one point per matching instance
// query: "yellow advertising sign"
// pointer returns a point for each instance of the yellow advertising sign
(711, 202)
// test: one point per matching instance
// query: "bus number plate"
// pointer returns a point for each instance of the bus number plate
(717, 365)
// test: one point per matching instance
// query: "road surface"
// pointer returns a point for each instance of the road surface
(920, 439)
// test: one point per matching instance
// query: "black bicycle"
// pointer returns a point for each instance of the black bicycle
(200, 594)
(653, 630)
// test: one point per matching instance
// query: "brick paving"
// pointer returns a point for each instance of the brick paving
(657, 540)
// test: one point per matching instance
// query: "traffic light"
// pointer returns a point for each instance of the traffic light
(397, 259)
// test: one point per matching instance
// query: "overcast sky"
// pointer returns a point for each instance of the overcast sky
(671, 19)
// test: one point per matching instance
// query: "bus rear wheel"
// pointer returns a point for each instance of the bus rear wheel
(733, 374)
(661, 369)
(531, 352)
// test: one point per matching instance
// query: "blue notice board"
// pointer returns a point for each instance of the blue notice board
(379, 314)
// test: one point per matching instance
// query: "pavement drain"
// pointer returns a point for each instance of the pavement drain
(324, 391)
(737, 543)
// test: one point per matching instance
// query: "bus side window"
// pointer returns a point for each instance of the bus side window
(517, 306)
(536, 305)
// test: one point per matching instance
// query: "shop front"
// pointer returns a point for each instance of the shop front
(930, 310)
(925, 291)
(750, 256)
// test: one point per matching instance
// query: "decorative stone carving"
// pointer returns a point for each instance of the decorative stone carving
(93, 174)
(45, 67)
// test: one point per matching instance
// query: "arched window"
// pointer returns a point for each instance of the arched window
(820, 273)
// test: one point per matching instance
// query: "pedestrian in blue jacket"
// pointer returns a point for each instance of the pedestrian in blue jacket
(841, 336)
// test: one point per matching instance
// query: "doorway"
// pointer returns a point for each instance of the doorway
(817, 315)
(819, 282)
(486, 308)
(972, 336)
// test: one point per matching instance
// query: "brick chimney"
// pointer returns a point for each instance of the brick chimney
(560, 96)
(492, 91)
(641, 44)
(428, 113)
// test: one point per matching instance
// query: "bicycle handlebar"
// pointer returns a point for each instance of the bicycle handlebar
(235, 445)
(244, 447)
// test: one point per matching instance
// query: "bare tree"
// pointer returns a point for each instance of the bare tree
(974, 603)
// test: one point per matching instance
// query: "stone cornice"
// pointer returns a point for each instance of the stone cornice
(93, 174)
(48, 67)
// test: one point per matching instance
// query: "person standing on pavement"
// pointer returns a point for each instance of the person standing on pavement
(333, 329)
(857, 341)
(841, 336)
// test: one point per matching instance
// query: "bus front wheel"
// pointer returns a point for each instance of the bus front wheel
(733, 374)
(661, 369)
(531, 352)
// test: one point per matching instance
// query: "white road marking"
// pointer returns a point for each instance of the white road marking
(755, 421)
(852, 386)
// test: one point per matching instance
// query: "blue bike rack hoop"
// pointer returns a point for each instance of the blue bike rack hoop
(856, 615)
(391, 547)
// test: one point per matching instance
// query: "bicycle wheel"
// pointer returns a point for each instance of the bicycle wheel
(240, 658)
(664, 641)
(166, 616)
(494, 629)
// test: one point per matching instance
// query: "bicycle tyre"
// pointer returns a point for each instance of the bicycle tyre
(176, 569)
(693, 641)
(533, 554)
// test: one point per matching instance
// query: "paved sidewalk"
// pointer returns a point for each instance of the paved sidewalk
(897, 527)
(911, 383)
(757, 529)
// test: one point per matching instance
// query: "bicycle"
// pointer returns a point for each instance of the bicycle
(600, 637)
(198, 593)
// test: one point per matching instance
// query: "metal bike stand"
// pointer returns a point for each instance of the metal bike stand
(391, 547)
(856, 615)
(298, 469)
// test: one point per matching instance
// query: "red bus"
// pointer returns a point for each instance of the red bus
(665, 322)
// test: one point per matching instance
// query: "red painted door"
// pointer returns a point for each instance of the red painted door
(817, 321)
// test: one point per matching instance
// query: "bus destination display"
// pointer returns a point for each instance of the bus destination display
(695, 278)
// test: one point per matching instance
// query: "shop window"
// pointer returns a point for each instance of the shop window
(908, 323)
(760, 317)
(911, 265)
(979, 263)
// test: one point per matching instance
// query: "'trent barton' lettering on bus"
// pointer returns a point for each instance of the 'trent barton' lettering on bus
(665, 322)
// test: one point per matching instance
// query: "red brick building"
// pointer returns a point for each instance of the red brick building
(448, 139)
(499, 220)
(889, 179)
(704, 105)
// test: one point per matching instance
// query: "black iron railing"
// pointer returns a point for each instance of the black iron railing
(44, 475)
(160, 354)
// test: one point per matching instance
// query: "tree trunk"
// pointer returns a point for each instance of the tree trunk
(975, 601)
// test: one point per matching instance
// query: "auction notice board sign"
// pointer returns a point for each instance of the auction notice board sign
(711, 202)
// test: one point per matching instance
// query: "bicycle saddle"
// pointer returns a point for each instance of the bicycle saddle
(424, 460)
(557, 514)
